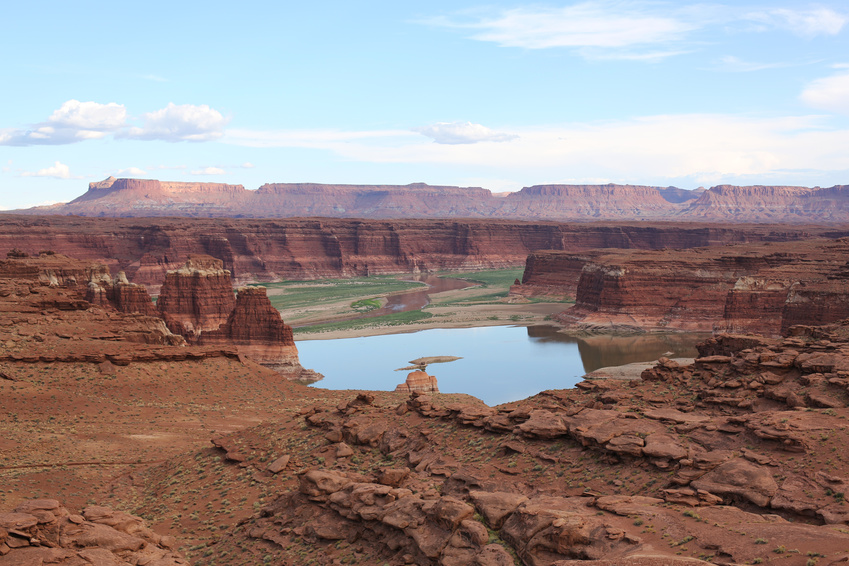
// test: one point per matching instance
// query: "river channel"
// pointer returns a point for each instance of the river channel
(499, 363)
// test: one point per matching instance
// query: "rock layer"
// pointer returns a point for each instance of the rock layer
(268, 250)
(764, 288)
(419, 381)
(255, 327)
(197, 297)
(42, 531)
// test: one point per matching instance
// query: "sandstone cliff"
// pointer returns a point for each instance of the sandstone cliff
(197, 302)
(197, 297)
(255, 327)
(771, 204)
(269, 250)
(759, 287)
(723, 203)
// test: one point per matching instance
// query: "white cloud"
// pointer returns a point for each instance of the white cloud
(57, 170)
(247, 165)
(72, 122)
(666, 146)
(209, 171)
(454, 133)
(89, 116)
(632, 30)
(587, 24)
(184, 122)
(805, 23)
(132, 171)
(829, 93)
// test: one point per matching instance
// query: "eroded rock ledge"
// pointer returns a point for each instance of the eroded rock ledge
(42, 531)
(734, 458)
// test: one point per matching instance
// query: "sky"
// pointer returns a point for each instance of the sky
(495, 94)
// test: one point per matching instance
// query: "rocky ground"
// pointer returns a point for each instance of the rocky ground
(735, 458)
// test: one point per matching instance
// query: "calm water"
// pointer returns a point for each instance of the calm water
(500, 363)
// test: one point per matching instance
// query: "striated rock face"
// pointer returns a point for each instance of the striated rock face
(724, 203)
(119, 293)
(418, 381)
(762, 288)
(772, 204)
(197, 297)
(42, 531)
(268, 250)
(256, 328)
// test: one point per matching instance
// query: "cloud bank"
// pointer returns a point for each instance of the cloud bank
(77, 121)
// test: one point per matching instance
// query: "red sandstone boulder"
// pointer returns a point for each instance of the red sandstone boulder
(418, 381)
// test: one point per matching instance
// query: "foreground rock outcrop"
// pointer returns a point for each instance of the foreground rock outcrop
(735, 458)
(42, 531)
(758, 287)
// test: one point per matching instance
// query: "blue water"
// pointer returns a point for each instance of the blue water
(500, 363)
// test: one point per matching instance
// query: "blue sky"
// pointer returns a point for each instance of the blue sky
(496, 94)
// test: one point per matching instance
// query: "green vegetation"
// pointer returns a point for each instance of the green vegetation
(491, 278)
(493, 287)
(394, 319)
(366, 305)
(312, 302)
(300, 294)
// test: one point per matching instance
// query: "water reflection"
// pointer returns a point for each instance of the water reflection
(500, 363)
(605, 350)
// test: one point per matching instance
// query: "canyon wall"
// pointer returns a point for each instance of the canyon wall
(761, 287)
(267, 250)
(197, 297)
(254, 326)
(197, 302)
(723, 203)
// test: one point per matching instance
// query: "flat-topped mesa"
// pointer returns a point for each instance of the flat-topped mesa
(588, 202)
(255, 327)
(371, 201)
(759, 203)
(196, 298)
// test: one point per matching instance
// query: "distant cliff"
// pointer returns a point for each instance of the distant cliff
(723, 203)
(763, 287)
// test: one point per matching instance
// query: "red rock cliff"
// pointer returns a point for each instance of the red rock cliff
(268, 250)
(197, 297)
(258, 331)
(761, 287)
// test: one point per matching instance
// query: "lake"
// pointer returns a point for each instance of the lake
(500, 363)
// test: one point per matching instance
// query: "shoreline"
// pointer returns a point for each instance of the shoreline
(448, 317)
